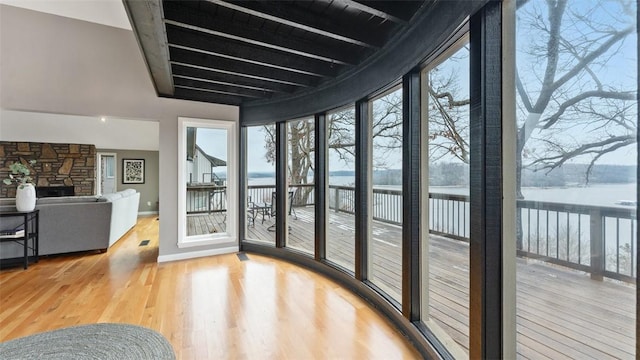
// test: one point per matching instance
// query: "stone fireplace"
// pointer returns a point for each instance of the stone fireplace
(70, 165)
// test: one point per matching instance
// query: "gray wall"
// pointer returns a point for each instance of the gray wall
(149, 191)
(53, 64)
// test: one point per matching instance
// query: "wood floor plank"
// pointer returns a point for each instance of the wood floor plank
(209, 308)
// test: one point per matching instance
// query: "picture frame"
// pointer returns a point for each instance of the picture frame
(133, 171)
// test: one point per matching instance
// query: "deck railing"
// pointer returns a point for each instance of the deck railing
(595, 239)
(206, 198)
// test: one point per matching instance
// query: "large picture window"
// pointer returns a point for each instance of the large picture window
(576, 159)
(385, 244)
(207, 182)
(261, 184)
(300, 234)
(445, 284)
(341, 205)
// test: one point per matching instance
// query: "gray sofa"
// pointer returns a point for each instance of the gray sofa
(77, 223)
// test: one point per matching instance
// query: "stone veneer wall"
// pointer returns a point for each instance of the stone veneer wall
(57, 165)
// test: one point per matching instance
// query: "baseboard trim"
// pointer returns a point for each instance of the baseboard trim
(197, 254)
(143, 213)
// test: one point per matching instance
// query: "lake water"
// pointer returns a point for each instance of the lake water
(597, 194)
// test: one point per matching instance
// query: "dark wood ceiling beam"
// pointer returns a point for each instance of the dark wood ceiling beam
(404, 10)
(223, 83)
(383, 14)
(186, 17)
(238, 74)
(286, 14)
(231, 58)
(146, 21)
(213, 45)
(196, 95)
(190, 70)
(205, 90)
(244, 69)
(220, 88)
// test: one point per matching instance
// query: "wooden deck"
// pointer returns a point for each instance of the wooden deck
(201, 224)
(561, 313)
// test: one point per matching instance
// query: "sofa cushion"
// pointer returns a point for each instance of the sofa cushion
(68, 200)
(127, 192)
(111, 197)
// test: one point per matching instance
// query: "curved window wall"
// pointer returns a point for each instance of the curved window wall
(526, 223)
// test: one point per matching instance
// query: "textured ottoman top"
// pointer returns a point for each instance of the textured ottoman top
(95, 341)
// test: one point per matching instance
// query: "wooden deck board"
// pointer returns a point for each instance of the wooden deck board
(562, 313)
(200, 224)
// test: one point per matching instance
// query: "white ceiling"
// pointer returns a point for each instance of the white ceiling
(106, 12)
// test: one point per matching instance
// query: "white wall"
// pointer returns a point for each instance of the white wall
(55, 128)
(107, 12)
(56, 65)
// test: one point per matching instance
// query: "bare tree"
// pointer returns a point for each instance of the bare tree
(570, 107)
(386, 129)
(448, 112)
(572, 103)
(387, 135)
(341, 134)
(301, 151)
(448, 132)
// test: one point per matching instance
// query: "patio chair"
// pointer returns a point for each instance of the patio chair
(252, 212)
(272, 209)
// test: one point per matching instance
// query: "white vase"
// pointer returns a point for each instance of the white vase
(26, 197)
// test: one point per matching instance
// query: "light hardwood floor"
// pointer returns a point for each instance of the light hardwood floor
(209, 308)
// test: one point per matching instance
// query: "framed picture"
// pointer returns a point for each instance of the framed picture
(133, 171)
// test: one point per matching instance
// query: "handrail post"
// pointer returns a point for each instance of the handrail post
(597, 245)
(337, 200)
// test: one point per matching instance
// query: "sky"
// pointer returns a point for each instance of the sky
(214, 143)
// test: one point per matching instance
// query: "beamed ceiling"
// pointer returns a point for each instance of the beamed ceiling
(243, 52)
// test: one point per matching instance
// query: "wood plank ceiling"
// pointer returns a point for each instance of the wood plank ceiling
(236, 52)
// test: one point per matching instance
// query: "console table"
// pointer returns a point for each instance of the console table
(30, 223)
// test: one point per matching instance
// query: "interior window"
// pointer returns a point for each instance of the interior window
(208, 182)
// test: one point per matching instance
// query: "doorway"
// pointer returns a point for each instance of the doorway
(106, 174)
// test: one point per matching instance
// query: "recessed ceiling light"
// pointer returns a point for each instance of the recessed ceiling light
(103, 119)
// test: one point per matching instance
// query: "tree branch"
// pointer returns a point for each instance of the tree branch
(617, 36)
(617, 142)
(551, 120)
